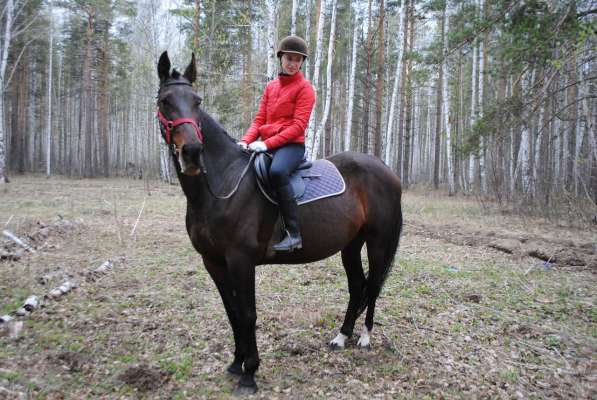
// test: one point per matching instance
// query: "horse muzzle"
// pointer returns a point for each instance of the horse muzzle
(189, 158)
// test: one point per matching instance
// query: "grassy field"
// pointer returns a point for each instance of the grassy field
(452, 322)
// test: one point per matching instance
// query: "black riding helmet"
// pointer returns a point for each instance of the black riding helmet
(292, 44)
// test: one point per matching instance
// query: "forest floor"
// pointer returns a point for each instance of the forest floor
(479, 304)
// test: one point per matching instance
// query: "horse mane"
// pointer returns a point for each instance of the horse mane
(175, 74)
(212, 124)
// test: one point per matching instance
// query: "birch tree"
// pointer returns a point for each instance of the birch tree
(315, 80)
(446, 103)
(8, 26)
(328, 95)
(351, 85)
(395, 98)
(272, 66)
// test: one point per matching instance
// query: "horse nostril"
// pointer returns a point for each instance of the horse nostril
(191, 152)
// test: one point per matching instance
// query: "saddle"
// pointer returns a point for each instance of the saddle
(310, 181)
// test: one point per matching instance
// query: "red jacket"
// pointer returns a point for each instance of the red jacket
(284, 112)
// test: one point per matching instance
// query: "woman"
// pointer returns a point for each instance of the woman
(280, 122)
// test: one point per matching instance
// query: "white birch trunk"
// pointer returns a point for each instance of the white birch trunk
(9, 13)
(315, 78)
(308, 37)
(329, 84)
(471, 160)
(537, 155)
(524, 154)
(482, 177)
(446, 108)
(353, 67)
(293, 22)
(49, 122)
(395, 98)
(272, 12)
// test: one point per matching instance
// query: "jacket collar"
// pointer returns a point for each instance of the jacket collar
(287, 79)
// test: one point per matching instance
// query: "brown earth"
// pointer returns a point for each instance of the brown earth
(471, 310)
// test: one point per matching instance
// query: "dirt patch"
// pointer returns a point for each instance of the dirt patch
(456, 318)
(144, 378)
(73, 361)
(35, 237)
(563, 253)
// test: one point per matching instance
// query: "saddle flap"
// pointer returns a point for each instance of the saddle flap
(311, 181)
(263, 162)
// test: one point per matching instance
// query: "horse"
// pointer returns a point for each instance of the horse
(232, 225)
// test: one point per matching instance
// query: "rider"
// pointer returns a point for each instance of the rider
(280, 122)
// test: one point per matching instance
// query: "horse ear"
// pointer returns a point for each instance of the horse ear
(191, 72)
(164, 67)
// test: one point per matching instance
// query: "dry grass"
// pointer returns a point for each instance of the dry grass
(452, 322)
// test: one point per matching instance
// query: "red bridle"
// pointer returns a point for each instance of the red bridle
(170, 125)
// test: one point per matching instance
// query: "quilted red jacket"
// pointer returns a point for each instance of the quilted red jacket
(283, 113)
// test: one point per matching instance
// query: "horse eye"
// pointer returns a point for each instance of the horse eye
(198, 100)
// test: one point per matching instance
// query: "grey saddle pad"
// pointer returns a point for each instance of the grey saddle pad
(319, 181)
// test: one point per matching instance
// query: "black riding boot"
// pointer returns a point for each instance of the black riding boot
(289, 209)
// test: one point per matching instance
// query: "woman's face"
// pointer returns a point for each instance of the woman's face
(291, 63)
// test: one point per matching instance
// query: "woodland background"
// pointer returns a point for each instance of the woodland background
(489, 98)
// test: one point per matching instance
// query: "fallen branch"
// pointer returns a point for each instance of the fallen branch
(138, 218)
(63, 289)
(18, 241)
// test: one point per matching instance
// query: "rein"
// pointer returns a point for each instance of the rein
(242, 175)
(167, 126)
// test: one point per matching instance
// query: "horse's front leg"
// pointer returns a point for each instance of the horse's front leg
(242, 273)
(219, 273)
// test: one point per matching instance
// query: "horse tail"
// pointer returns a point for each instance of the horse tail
(390, 245)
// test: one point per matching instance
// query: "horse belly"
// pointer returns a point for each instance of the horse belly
(327, 226)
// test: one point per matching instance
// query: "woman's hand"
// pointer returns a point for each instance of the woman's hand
(242, 145)
(258, 147)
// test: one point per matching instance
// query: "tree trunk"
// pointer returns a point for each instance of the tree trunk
(351, 84)
(380, 82)
(310, 140)
(293, 18)
(272, 28)
(409, 96)
(329, 83)
(8, 20)
(446, 104)
(104, 95)
(397, 83)
(438, 110)
(367, 91)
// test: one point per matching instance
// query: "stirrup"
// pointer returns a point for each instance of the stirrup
(289, 243)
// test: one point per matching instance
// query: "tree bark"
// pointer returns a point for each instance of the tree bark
(8, 21)
(351, 84)
(397, 83)
(380, 82)
(329, 84)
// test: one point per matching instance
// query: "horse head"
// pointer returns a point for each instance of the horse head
(179, 114)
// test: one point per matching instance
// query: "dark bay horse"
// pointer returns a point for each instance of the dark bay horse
(232, 225)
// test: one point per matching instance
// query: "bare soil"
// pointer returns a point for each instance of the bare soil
(479, 305)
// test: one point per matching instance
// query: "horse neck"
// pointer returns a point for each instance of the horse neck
(223, 161)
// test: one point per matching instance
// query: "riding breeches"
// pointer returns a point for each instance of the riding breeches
(286, 159)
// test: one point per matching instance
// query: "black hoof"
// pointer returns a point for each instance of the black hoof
(334, 346)
(235, 369)
(245, 390)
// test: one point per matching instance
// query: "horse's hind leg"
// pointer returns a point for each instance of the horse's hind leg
(380, 258)
(351, 259)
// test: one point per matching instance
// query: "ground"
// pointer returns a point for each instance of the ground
(457, 318)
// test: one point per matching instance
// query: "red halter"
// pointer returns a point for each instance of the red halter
(170, 125)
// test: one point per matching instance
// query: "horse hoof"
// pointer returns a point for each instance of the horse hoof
(245, 390)
(235, 369)
(338, 342)
(336, 346)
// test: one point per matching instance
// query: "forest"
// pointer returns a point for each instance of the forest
(494, 99)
